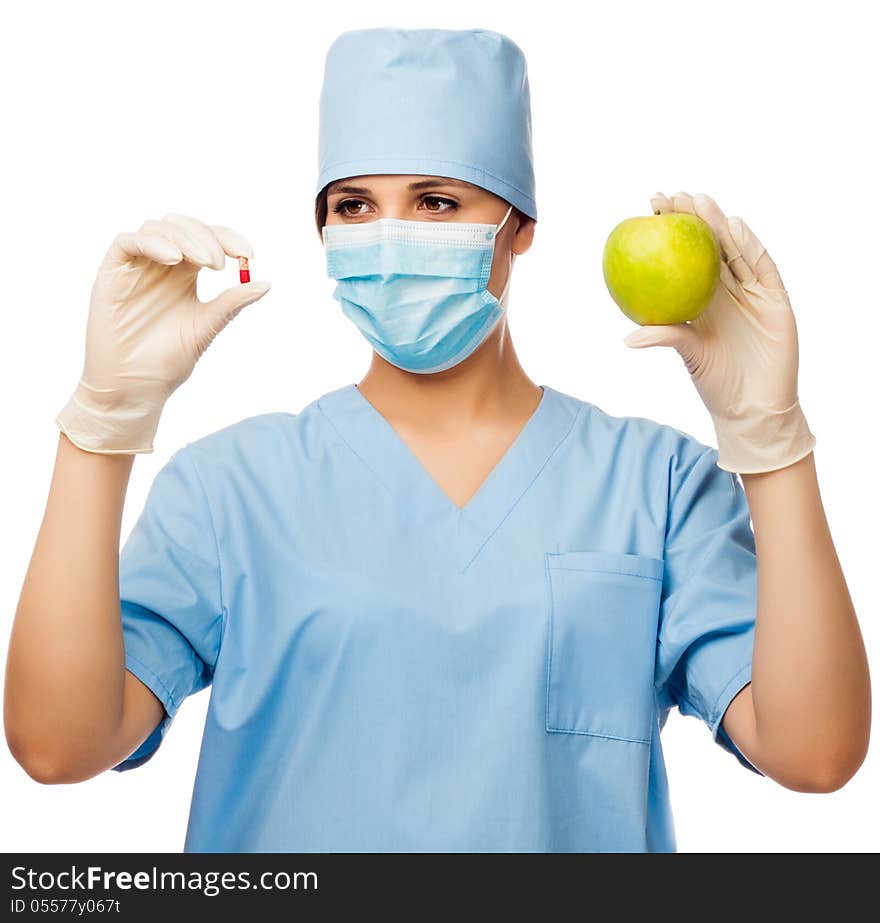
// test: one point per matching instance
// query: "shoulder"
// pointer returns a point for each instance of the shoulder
(243, 437)
(635, 439)
(278, 437)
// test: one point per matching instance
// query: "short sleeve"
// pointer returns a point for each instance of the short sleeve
(170, 596)
(709, 595)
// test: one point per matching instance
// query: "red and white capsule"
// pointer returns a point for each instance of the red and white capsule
(244, 273)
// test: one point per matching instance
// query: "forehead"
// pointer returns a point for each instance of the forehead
(365, 184)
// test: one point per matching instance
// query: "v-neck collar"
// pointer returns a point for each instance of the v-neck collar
(375, 441)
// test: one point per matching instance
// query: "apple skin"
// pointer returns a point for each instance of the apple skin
(662, 269)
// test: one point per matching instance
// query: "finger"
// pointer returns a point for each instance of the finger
(729, 280)
(199, 231)
(682, 337)
(193, 251)
(754, 254)
(683, 202)
(232, 242)
(130, 244)
(660, 204)
(214, 315)
(708, 209)
(736, 259)
(680, 202)
(739, 302)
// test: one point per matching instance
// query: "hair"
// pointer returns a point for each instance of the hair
(321, 211)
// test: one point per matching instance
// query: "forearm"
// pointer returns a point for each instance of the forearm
(810, 683)
(65, 670)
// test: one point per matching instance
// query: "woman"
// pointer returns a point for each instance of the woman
(443, 608)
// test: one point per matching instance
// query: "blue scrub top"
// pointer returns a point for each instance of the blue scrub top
(390, 673)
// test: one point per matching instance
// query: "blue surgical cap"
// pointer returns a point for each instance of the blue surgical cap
(435, 102)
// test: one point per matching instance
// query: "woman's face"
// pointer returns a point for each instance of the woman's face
(358, 199)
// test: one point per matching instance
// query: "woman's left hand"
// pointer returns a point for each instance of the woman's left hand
(742, 350)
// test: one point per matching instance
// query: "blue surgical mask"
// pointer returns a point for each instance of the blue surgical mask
(416, 289)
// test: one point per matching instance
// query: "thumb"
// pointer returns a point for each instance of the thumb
(214, 315)
(682, 337)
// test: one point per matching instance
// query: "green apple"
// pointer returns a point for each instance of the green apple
(662, 269)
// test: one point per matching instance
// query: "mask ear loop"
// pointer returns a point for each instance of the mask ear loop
(503, 220)
(503, 299)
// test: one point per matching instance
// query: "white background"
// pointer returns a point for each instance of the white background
(117, 112)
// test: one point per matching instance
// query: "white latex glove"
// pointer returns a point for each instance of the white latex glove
(742, 351)
(147, 328)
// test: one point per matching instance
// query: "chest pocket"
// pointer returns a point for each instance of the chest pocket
(603, 610)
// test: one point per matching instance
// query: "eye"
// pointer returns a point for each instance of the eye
(341, 207)
(350, 208)
(440, 199)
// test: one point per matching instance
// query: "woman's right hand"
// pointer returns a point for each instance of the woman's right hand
(147, 329)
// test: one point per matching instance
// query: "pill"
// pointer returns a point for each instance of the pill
(244, 274)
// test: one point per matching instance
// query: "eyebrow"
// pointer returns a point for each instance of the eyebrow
(413, 187)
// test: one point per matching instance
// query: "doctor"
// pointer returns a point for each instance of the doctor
(444, 608)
